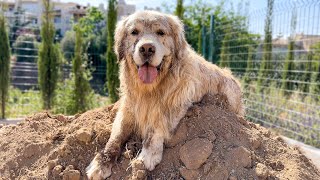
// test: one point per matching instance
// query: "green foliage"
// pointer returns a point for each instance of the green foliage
(112, 66)
(22, 104)
(287, 74)
(82, 92)
(196, 16)
(315, 76)
(4, 65)
(266, 64)
(306, 77)
(67, 45)
(49, 58)
(179, 9)
(249, 72)
(225, 49)
(25, 48)
(91, 22)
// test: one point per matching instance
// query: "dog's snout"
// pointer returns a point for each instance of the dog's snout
(147, 50)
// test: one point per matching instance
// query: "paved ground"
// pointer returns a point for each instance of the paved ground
(311, 152)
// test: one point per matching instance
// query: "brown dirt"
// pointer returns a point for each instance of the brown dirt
(210, 143)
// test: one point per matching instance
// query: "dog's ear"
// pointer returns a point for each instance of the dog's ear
(119, 36)
(177, 29)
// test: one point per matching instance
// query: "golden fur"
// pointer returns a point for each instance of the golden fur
(154, 110)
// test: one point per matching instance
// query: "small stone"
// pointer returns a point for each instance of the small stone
(61, 118)
(239, 157)
(57, 170)
(256, 142)
(52, 164)
(1, 125)
(195, 152)
(83, 135)
(188, 174)
(179, 136)
(232, 178)
(262, 171)
(71, 175)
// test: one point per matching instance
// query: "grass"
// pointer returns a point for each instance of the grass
(22, 104)
(296, 116)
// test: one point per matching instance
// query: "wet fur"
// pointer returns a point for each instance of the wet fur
(154, 110)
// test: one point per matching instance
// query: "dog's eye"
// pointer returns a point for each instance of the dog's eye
(135, 32)
(160, 33)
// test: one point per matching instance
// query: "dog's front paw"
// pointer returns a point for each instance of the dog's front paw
(150, 158)
(98, 170)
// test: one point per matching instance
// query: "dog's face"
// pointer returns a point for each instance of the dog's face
(151, 42)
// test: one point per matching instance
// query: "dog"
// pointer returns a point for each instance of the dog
(161, 76)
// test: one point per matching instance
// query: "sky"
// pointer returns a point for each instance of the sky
(255, 4)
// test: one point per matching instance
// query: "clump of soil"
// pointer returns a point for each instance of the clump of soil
(209, 143)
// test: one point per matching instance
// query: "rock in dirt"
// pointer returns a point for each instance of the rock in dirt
(240, 156)
(189, 174)
(262, 171)
(195, 152)
(211, 142)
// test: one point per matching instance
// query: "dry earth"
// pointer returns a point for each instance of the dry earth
(210, 143)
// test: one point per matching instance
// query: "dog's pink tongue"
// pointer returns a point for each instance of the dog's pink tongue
(147, 73)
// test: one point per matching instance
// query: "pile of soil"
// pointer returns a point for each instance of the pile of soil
(210, 143)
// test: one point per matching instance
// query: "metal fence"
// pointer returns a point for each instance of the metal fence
(280, 77)
(281, 96)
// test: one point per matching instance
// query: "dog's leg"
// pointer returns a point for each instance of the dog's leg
(100, 167)
(152, 149)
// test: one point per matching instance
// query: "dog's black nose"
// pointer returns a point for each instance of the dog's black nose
(147, 50)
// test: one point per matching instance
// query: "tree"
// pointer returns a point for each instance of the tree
(179, 9)
(287, 74)
(247, 76)
(67, 45)
(315, 76)
(4, 65)
(112, 66)
(49, 57)
(82, 90)
(266, 65)
(225, 53)
(306, 77)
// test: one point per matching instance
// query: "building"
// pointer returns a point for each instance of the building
(64, 13)
(125, 9)
(29, 13)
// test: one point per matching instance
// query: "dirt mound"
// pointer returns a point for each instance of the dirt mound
(210, 143)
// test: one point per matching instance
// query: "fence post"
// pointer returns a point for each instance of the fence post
(204, 44)
(211, 41)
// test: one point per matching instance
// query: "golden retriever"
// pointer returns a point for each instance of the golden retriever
(160, 77)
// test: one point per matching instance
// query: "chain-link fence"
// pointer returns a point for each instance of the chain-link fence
(275, 52)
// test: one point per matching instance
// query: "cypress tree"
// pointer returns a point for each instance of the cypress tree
(112, 66)
(266, 65)
(82, 89)
(306, 78)
(4, 64)
(179, 9)
(247, 78)
(225, 56)
(315, 77)
(287, 74)
(49, 57)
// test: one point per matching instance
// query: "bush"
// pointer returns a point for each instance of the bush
(67, 45)
(26, 49)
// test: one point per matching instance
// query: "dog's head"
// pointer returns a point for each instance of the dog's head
(151, 42)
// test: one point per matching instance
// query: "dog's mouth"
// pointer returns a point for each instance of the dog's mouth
(148, 73)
